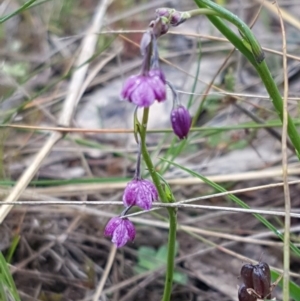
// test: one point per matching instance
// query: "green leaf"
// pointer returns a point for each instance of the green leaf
(180, 278)
(294, 288)
(150, 259)
(139, 270)
(12, 248)
(146, 258)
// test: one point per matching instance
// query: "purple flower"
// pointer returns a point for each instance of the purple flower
(121, 230)
(181, 121)
(143, 90)
(141, 193)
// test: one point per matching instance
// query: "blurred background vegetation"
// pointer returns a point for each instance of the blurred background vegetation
(58, 252)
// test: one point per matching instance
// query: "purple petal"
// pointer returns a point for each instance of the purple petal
(129, 195)
(158, 84)
(130, 85)
(120, 235)
(147, 193)
(112, 224)
(141, 193)
(143, 90)
(130, 229)
(121, 230)
(144, 197)
(153, 191)
(143, 95)
(158, 72)
(158, 88)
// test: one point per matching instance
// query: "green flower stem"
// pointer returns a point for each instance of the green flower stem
(142, 128)
(250, 53)
(147, 159)
(171, 254)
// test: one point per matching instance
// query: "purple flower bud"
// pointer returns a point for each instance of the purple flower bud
(143, 90)
(181, 121)
(160, 26)
(173, 16)
(178, 18)
(141, 193)
(121, 230)
(164, 12)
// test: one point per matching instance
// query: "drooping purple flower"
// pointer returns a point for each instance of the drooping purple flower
(141, 193)
(121, 230)
(181, 121)
(143, 90)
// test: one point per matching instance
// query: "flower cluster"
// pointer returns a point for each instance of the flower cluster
(143, 90)
(138, 192)
(150, 85)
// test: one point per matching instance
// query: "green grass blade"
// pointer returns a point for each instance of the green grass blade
(19, 10)
(12, 248)
(7, 283)
(294, 288)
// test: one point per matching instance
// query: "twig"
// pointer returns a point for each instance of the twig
(34, 195)
(287, 199)
(112, 255)
(88, 46)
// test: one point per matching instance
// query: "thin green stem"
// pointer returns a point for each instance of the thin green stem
(171, 254)
(147, 158)
(164, 198)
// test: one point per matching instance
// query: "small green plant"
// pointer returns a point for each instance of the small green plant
(150, 259)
